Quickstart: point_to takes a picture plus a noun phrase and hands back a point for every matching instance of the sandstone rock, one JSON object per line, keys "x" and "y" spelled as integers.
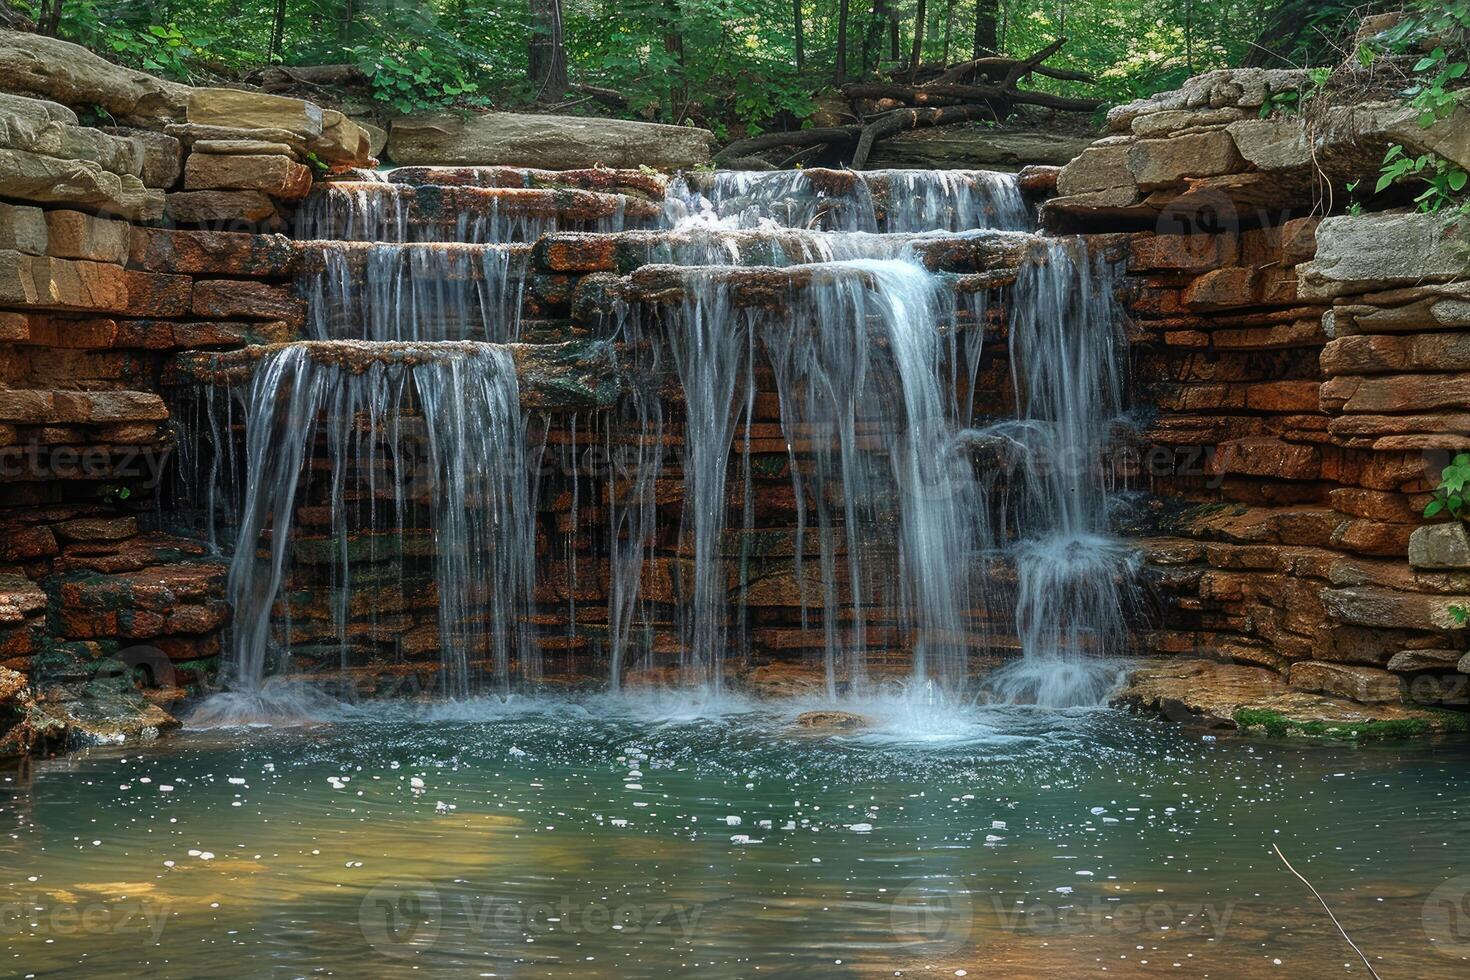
{"x": 1241, "y": 88}
{"x": 1163, "y": 163}
{"x": 1393, "y": 354}
{"x": 22, "y": 229}
{"x": 1150, "y": 251}
{"x": 1115, "y": 202}
{"x": 97, "y": 529}
{"x": 46, "y": 67}
{"x": 1167, "y": 123}
{"x": 74, "y": 235}
{"x": 278, "y": 176}
{"x": 1389, "y": 608}
{"x": 217, "y": 207}
{"x": 341, "y": 141}
{"x": 377, "y": 137}
{"x": 831, "y": 721}
{"x": 1440, "y": 546}
{"x": 1097, "y": 168}
{"x": 189, "y": 134}
{"x": 80, "y": 183}
{"x": 157, "y": 294}
{"x": 1369, "y": 685}
{"x": 118, "y": 155}
{"x": 230, "y": 298}
{"x": 33, "y": 407}
{"x": 1362, "y": 253}
{"x": 243, "y": 148}
{"x": 1215, "y": 695}
{"x": 124, "y": 718}
{"x": 1038, "y": 179}
{"x": 1272, "y": 144}
{"x": 549, "y": 142}
{"x": 163, "y": 156}
{"x": 50, "y": 283}
{"x": 254, "y": 110}
{"x": 1409, "y": 661}
{"x": 1395, "y": 393}
{"x": 35, "y": 111}
{"x": 212, "y": 253}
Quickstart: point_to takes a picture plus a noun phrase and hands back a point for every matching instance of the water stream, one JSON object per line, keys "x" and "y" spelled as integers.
{"x": 874, "y": 359}
{"x": 648, "y": 837}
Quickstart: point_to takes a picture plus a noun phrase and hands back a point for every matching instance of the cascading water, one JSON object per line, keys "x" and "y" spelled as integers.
{"x": 416, "y": 292}
{"x": 426, "y": 491}
{"x": 874, "y": 361}
{"x": 1067, "y": 368}
{"x": 875, "y": 201}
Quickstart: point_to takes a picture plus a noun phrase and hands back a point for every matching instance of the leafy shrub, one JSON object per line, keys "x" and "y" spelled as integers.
{"x": 1449, "y": 496}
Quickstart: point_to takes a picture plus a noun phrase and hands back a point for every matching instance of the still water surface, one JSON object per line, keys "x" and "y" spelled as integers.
{"x": 655, "y": 836}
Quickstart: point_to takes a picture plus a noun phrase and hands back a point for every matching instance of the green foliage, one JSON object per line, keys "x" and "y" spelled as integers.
{"x": 727, "y": 64}
{"x": 1444, "y": 182}
{"x": 1288, "y": 102}
{"x": 163, "y": 49}
{"x": 418, "y": 79}
{"x": 1449, "y": 496}
{"x": 1446, "y": 25}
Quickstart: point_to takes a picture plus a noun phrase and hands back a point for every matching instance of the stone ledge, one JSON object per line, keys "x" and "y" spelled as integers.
{"x": 1257, "y": 701}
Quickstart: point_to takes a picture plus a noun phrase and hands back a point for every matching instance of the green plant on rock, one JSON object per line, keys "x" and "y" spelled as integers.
{"x": 1292, "y": 102}
{"x": 1449, "y": 496}
{"x": 1444, "y": 182}
{"x": 1437, "y": 74}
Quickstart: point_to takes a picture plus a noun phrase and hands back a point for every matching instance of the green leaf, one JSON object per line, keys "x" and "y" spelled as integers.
{"x": 1433, "y": 507}
{"x": 1383, "y": 183}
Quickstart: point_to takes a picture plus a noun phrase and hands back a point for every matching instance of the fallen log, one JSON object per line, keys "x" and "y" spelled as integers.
{"x": 899, "y": 120}
{"x": 953, "y": 95}
{"x": 795, "y": 138}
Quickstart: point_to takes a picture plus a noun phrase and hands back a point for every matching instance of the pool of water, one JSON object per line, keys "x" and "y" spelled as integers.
{"x": 652, "y": 836}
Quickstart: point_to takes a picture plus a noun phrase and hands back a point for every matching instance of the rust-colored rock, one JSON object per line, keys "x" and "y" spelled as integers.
{"x": 275, "y": 175}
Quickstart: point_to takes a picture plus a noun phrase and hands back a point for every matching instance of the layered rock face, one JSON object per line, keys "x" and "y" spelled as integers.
{"x": 1299, "y": 381}
{"x": 1302, "y": 377}
{"x": 95, "y": 297}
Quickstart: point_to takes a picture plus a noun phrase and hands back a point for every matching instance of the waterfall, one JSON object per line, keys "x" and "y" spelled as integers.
{"x": 1067, "y": 367}
{"x": 383, "y": 508}
{"x": 426, "y": 490}
{"x": 874, "y": 201}
{"x": 858, "y": 372}
{"x": 416, "y": 292}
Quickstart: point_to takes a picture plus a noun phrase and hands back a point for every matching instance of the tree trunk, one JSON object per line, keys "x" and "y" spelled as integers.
{"x": 985, "y": 36}
{"x": 800, "y": 32}
{"x": 548, "y": 53}
{"x": 842, "y": 14}
{"x": 674, "y": 46}
{"x": 873, "y": 38}
{"x": 948, "y": 31}
{"x": 278, "y": 33}
{"x": 920, "y": 13}
{"x": 48, "y": 18}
